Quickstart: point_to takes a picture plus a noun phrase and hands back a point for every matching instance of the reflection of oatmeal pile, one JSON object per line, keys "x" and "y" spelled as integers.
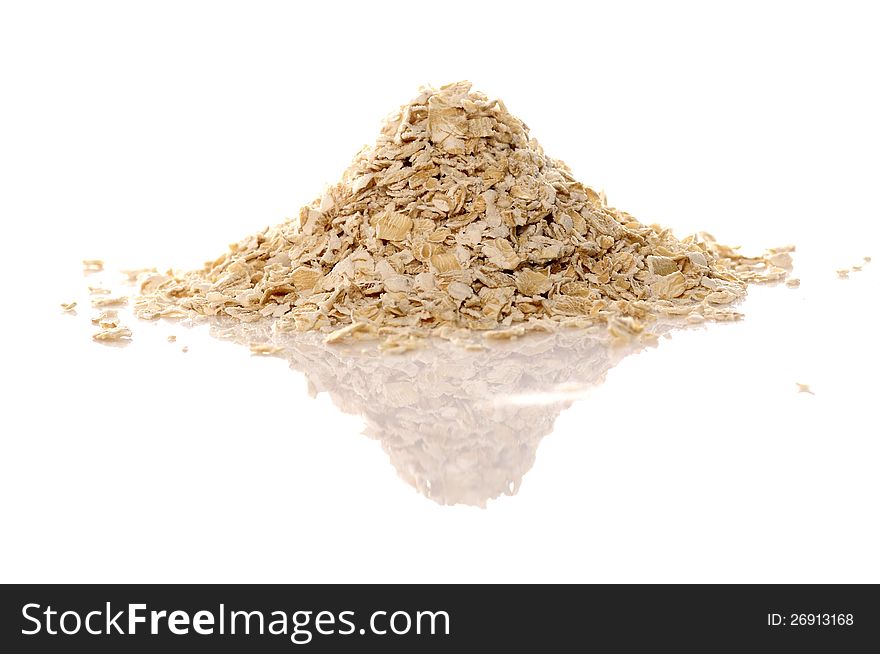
{"x": 455, "y": 218}
{"x": 460, "y": 426}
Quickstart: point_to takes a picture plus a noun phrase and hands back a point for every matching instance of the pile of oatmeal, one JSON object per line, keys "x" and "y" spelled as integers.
{"x": 456, "y": 220}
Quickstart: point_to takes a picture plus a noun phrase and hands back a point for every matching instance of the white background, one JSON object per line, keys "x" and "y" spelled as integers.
{"x": 156, "y": 133}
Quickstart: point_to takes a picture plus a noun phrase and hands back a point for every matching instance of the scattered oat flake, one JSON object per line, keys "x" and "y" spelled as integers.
{"x": 172, "y": 338}
{"x": 342, "y": 332}
{"x": 109, "y": 301}
{"x": 866, "y": 259}
{"x": 93, "y": 265}
{"x": 184, "y": 349}
{"x": 843, "y": 273}
{"x": 804, "y": 388}
{"x": 793, "y": 282}
{"x": 99, "y": 290}
{"x": 113, "y": 334}
{"x": 68, "y": 306}
{"x": 107, "y": 319}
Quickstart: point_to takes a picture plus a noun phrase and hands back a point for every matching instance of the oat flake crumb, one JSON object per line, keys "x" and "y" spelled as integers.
{"x": 113, "y": 334}
{"x": 99, "y": 302}
{"x": 108, "y": 319}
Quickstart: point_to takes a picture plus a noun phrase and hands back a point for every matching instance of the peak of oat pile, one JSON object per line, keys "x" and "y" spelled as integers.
{"x": 456, "y": 219}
